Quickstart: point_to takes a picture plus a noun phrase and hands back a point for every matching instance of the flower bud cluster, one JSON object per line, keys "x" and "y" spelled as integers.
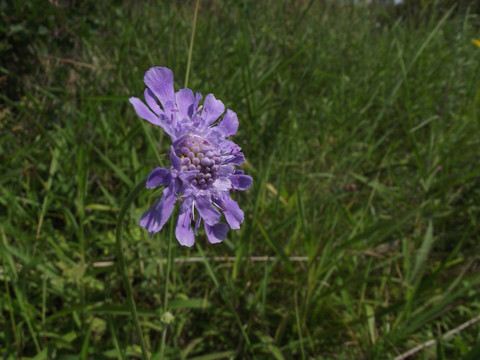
{"x": 199, "y": 154}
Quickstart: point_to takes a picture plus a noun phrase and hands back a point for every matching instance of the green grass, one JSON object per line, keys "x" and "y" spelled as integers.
{"x": 361, "y": 132}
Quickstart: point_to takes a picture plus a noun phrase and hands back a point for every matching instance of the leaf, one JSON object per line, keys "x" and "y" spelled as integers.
{"x": 423, "y": 252}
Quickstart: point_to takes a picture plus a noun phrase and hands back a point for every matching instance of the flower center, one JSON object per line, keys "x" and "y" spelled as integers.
{"x": 198, "y": 154}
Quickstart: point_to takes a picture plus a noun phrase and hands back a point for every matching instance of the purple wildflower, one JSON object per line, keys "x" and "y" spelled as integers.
{"x": 202, "y": 172}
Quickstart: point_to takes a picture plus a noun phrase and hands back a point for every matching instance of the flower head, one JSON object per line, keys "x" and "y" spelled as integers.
{"x": 203, "y": 160}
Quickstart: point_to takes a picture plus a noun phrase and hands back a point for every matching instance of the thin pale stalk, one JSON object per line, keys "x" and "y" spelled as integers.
{"x": 165, "y": 298}
{"x": 123, "y": 267}
{"x": 190, "y": 49}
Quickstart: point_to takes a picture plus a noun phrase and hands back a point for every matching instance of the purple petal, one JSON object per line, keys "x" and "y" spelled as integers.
{"x": 184, "y": 99}
{"x": 212, "y": 109}
{"x": 187, "y": 176}
{"x": 235, "y": 156}
{"x": 176, "y": 161}
{"x": 151, "y": 102}
{"x": 229, "y": 123}
{"x": 241, "y": 182}
{"x": 207, "y": 211}
{"x": 215, "y": 135}
{"x": 225, "y": 170}
{"x": 216, "y": 233}
{"x": 198, "y": 97}
{"x": 187, "y": 189}
{"x": 158, "y": 177}
{"x": 171, "y": 112}
{"x": 143, "y": 111}
{"x": 195, "y": 121}
{"x": 239, "y": 159}
{"x": 222, "y": 184}
{"x": 172, "y": 119}
{"x": 233, "y": 213}
{"x": 183, "y": 231}
{"x": 154, "y": 219}
{"x": 160, "y": 81}
{"x": 197, "y": 224}
{"x": 236, "y": 159}
{"x": 181, "y": 128}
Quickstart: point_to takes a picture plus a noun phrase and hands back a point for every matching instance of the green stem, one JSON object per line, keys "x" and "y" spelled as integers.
{"x": 123, "y": 267}
{"x": 222, "y": 293}
{"x": 165, "y": 299}
{"x": 164, "y": 338}
{"x": 190, "y": 49}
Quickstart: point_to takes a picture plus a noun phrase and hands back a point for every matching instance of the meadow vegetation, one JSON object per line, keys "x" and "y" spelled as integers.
{"x": 360, "y": 126}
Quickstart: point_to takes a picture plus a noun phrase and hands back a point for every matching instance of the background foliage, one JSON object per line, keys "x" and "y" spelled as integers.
{"x": 360, "y": 125}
